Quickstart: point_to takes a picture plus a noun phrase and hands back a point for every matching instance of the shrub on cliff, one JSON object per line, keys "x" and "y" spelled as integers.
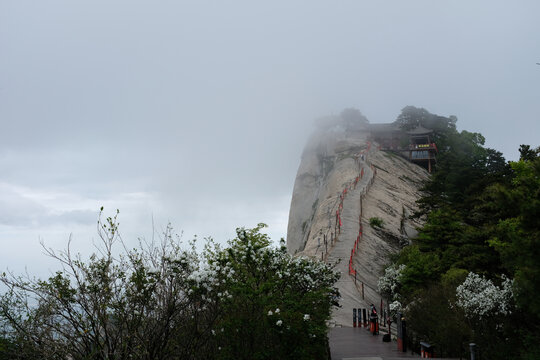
{"x": 376, "y": 222}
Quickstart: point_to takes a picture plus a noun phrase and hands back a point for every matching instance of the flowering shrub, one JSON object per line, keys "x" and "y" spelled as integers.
{"x": 271, "y": 292}
{"x": 390, "y": 282}
{"x": 395, "y": 307}
{"x": 480, "y": 298}
{"x": 248, "y": 300}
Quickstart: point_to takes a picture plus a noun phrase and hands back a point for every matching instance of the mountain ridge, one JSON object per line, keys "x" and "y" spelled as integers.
{"x": 341, "y": 165}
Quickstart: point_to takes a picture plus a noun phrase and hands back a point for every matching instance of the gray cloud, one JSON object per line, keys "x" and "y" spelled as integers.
{"x": 197, "y": 112}
{"x": 16, "y": 210}
{"x": 30, "y": 210}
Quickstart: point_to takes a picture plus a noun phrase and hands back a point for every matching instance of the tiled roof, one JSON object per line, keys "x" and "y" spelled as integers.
{"x": 387, "y": 127}
{"x": 420, "y": 130}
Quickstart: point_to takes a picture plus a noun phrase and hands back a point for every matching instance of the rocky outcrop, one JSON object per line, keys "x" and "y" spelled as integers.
{"x": 344, "y": 181}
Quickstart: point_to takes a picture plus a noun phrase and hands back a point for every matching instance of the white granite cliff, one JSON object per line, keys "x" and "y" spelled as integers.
{"x": 343, "y": 177}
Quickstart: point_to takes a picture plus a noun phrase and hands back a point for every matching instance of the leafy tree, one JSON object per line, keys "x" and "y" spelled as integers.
{"x": 517, "y": 236}
{"x": 138, "y": 304}
{"x": 528, "y": 154}
{"x": 463, "y": 170}
{"x": 432, "y": 319}
{"x": 389, "y": 284}
{"x": 277, "y": 305}
{"x": 490, "y": 313}
{"x": 487, "y": 225}
{"x": 481, "y": 216}
{"x": 412, "y": 117}
{"x": 354, "y": 118}
{"x": 163, "y": 302}
{"x": 421, "y": 269}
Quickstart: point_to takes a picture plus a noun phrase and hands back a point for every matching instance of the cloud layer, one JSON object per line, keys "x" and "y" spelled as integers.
{"x": 197, "y": 112}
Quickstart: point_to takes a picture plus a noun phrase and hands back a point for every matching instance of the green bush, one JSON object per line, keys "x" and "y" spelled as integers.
{"x": 376, "y": 222}
{"x": 277, "y": 305}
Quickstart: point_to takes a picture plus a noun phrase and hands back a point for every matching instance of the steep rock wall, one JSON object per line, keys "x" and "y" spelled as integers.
{"x": 342, "y": 182}
{"x": 327, "y": 165}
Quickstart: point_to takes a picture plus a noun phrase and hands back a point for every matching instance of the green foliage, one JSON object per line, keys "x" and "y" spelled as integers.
{"x": 390, "y": 283}
{"x": 376, "y": 222}
{"x": 463, "y": 170}
{"x": 528, "y": 154}
{"x": 137, "y": 304}
{"x": 353, "y": 118}
{"x": 411, "y": 117}
{"x": 481, "y": 216}
{"x": 421, "y": 269}
{"x": 431, "y": 318}
{"x": 278, "y": 305}
{"x": 487, "y": 224}
{"x": 163, "y": 302}
{"x": 454, "y": 277}
{"x": 517, "y": 237}
{"x": 456, "y": 243}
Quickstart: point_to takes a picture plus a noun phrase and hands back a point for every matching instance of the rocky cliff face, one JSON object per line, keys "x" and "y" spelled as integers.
{"x": 344, "y": 181}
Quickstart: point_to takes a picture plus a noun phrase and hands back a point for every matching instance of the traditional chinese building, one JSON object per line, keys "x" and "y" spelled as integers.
{"x": 416, "y": 145}
{"x": 422, "y": 149}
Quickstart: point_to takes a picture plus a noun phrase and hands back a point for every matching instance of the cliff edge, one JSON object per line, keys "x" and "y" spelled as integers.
{"x": 344, "y": 183}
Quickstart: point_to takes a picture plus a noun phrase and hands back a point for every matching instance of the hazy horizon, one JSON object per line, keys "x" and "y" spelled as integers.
{"x": 197, "y": 112}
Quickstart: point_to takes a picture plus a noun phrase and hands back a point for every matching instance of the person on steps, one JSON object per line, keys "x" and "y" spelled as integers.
{"x": 373, "y": 320}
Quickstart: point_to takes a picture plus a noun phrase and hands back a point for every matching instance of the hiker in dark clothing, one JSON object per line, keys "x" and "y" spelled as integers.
{"x": 373, "y": 320}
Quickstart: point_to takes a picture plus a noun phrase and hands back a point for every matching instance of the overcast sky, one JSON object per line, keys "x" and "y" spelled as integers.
{"x": 196, "y": 112}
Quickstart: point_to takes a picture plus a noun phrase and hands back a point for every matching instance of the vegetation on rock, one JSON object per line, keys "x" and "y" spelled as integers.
{"x": 376, "y": 222}
{"x": 481, "y": 227}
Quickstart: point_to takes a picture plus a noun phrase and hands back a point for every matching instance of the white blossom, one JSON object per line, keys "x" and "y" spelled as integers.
{"x": 389, "y": 283}
{"x": 479, "y": 297}
{"x": 279, "y": 322}
{"x": 306, "y": 317}
{"x": 395, "y": 307}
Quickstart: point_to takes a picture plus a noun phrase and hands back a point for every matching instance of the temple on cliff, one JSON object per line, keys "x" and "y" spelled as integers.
{"x": 416, "y": 145}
